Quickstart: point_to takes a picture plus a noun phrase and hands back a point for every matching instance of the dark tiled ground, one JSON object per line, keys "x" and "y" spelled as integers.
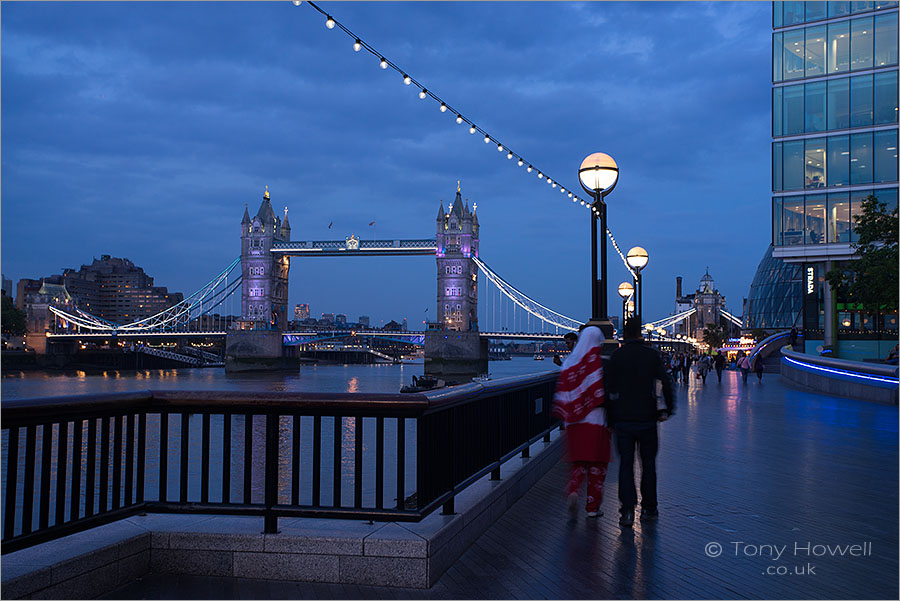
{"x": 741, "y": 466}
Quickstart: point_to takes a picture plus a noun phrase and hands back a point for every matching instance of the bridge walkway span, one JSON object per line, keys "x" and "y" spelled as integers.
{"x": 755, "y": 464}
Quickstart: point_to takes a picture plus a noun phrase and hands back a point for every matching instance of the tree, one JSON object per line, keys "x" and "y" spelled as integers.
{"x": 13, "y": 319}
{"x": 714, "y": 335}
{"x": 872, "y": 279}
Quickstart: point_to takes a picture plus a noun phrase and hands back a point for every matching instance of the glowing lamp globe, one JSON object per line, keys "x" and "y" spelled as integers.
{"x": 637, "y": 258}
{"x": 626, "y": 289}
{"x": 598, "y": 173}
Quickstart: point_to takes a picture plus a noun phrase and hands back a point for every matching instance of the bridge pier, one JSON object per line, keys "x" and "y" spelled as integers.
{"x": 256, "y": 350}
{"x": 455, "y": 356}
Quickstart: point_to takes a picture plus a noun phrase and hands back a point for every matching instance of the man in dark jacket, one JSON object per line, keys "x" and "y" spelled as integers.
{"x": 631, "y": 374}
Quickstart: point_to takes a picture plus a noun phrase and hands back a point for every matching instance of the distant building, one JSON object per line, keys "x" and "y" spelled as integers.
{"x": 264, "y": 290}
{"x": 111, "y": 288}
{"x": 364, "y": 320}
{"x": 708, "y": 303}
{"x": 7, "y": 286}
{"x": 405, "y": 328}
{"x": 327, "y": 318}
{"x": 457, "y": 233}
{"x": 301, "y": 311}
{"x": 392, "y": 326}
{"x": 340, "y": 319}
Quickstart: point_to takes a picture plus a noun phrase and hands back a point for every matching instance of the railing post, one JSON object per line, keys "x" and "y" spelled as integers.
{"x": 271, "y": 473}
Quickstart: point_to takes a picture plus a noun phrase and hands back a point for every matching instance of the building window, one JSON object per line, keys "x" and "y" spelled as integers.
{"x": 793, "y": 110}
{"x": 776, "y": 221}
{"x": 777, "y": 180}
{"x": 861, "y": 101}
{"x": 838, "y": 57}
{"x": 815, "y": 51}
{"x": 885, "y": 40}
{"x": 885, "y": 156}
{"x": 814, "y": 163}
{"x": 793, "y": 165}
{"x": 793, "y": 221}
{"x": 815, "y": 219}
{"x": 814, "y": 107}
{"x": 838, "y": 217}
{"x": 862, "y": 38}
{"x": 838, "y": 172}
{"x": 792, "y": 55}
{"x": 885, "y": 97}
{"x": 838, "y": 103}
{"x": 861, "y": 158}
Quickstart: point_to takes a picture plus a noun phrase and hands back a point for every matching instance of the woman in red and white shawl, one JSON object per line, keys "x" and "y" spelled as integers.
{"x": 578, "y": 401}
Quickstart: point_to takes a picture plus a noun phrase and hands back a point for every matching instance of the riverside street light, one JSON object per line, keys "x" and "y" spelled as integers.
{"x": 626, "y": 290}
{"x": 598, "y": 175}
{"x": 637, "y": 258}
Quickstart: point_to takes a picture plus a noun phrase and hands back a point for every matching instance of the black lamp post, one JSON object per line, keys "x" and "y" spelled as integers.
{"x": 598, "y": 175}
{"x": 626, "y": 291}
{"x": 637, "y": 258}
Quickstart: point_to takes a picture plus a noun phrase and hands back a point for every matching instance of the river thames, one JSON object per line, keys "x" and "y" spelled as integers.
{"x": 310, "y": 378}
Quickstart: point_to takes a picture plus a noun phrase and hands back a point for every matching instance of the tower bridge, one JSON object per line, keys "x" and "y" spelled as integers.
{"x": 256, "y": 334}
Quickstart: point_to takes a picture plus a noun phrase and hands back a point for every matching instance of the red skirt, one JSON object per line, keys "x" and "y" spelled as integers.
{"x": 588, "y": 442}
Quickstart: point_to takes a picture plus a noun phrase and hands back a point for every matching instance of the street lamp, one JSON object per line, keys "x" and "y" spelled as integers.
{"x": 625, "y": 291}
{"x": 637, "y": 259}
{"x": 598, "y": 175}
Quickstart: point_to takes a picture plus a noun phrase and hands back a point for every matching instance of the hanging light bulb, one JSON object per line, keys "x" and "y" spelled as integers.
{"x": 406, "y": 79}
{"x": 459, "y": 118}
{"x": 529, "y": 169}
{"x": 472, "y": 129}
{"x": 563, "y": 190}
{"x": 357, "y": 45}
{"x": 383, "y": 63}
{"x": 296, "y": 2}
{"x": 549, "y": 181}
{"x": 582, "y": 203}
{"x": 573, "y": 199}
{"x": 423, "y": 93}
{"x": 553, "y": 185}
{"x": 521, "y": 162}
{"x": 499, "y": 147}
{"x": 487, "y": 139}
{"x": 443, "y": 108}
{"x": 570, "y": 195}
{"x": 509, "y": 155}
{"x": 329, "y": 22}
{"x": 540, "y": 175}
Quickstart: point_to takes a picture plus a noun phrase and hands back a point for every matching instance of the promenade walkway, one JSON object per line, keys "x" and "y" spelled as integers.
{"x": 758, "y": 469}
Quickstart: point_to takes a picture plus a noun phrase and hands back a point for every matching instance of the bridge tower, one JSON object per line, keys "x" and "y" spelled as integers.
{"x": 454, "y": 350}
{"x": 255, "y": 342}
{"x": 264, "y": 293}
{"x": 457, "y": 274}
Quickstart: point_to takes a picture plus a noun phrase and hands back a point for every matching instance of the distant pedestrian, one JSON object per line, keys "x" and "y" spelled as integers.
{"x": 570, "y": 339}
{"x": 793, "y": 338}
{"x": 631, "y": 377}
{"x": 579, "y": 401}
{"x": 758, "y": 368}
{"x": 720, "y": 365}
{"x": 743, "y": 364}
{"x": 686, "y": 368}
{"x": 703, "y": 366}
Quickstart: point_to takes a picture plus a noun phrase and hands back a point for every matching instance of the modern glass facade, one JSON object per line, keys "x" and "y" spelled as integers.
{"x": 834, "y": 142}
{"x": 776, "y": 299}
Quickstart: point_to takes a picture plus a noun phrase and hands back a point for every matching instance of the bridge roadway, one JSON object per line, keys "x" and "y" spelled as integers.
{"x": 739, "y": 465}
{"x": 330, "y": 333}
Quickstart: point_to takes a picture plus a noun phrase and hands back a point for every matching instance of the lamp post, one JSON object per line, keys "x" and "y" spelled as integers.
{"x": 637, "y": 258}
{"x": 626, "y": 290}
{"x": 598, "y": 175}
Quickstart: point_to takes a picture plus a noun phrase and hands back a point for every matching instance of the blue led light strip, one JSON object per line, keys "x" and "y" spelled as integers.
{"x": 841, "y": 372}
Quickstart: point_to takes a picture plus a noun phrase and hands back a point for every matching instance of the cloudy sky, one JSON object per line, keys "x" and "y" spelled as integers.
{"x": 141, "y": 130}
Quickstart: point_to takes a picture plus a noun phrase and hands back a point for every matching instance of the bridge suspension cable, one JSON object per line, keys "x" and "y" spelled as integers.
{"x": 527, "y": 303}
{"x": 731, "y": 318}
{"x": 671, "y": 320}
{"x": 198, "y": 304}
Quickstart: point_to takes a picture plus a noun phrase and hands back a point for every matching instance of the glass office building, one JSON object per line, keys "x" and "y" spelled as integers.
{"x": 834, "y": 142}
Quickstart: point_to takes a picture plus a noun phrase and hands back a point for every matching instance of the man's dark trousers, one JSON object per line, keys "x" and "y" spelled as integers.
{"x": 644, "y": 435}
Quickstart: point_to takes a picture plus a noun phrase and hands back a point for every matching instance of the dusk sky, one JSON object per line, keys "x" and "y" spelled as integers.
{"x": 141, "y": 130}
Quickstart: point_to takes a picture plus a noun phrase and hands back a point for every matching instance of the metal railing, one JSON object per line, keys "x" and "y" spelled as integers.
{"x": 72, "y": 463}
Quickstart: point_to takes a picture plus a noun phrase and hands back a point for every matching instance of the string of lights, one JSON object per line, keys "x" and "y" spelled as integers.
{"x": 424, "y": 93}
